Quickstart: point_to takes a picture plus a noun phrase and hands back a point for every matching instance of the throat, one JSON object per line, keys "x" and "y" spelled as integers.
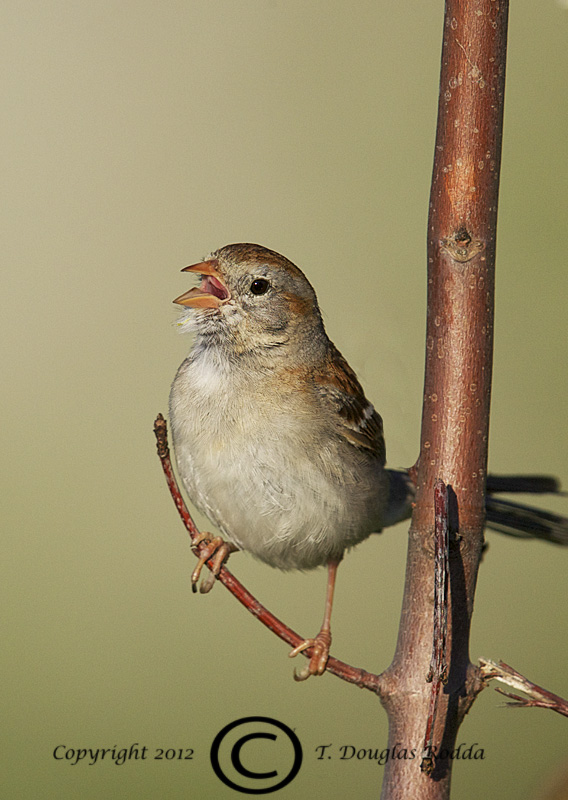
{"x": 210, "y": 368}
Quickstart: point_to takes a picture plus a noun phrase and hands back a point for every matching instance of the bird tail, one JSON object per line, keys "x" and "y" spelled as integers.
{"x": 505, "y": 516}
{"x": 517, "y": 519}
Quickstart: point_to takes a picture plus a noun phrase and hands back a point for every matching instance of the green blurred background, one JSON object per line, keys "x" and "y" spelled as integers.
{"x": 138, "y": 137}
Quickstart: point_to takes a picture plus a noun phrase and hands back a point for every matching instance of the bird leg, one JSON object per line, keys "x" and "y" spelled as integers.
{"x": 215, "y": 546}
{"x": 322, "y": 641}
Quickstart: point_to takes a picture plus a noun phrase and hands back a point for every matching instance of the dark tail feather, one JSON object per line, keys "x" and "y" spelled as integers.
{"x": 524, "y": 484}
{"x": 513, "y": 519}
{"x": 516, "y": 519}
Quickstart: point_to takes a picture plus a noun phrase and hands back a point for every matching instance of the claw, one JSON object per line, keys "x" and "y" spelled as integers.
{"x": 207, "y": 583}
{"x": 202, "y": 537}
{"x": 216, "y": 547}
{"x": 318, "y": 660}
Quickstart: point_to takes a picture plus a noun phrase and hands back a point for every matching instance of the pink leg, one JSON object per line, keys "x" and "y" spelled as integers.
{"x": 322, "y": 641}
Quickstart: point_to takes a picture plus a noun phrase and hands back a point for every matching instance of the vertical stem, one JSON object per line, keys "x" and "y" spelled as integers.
{"x": 457, "y": 388}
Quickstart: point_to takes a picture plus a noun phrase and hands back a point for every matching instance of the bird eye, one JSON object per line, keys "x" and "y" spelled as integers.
{"x": 260, "y": 286}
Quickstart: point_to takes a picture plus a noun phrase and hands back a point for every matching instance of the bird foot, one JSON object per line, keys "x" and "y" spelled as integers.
{"x": 318, "y": 659}
{"x": 214, "y": 546}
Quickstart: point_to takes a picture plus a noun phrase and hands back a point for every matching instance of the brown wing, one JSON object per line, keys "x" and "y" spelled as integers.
{"x": 359, "y": 422}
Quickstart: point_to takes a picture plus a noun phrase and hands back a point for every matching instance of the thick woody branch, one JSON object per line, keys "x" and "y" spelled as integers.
{"x": 457, "y": 387}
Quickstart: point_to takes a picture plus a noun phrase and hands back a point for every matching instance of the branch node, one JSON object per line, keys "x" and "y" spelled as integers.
{"x": 161, "y": 434}
{"x": 461, "y": 246}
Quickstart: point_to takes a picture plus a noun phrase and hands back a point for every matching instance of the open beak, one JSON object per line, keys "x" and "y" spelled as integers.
{"x": 213, "y": 291}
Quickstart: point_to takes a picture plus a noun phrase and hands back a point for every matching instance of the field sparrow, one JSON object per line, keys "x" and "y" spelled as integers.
{"x": 273, "y": 436}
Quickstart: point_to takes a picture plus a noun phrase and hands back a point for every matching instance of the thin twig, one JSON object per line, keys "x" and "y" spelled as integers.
{"x": 438, "y": 673}
{"x": 538, "y": 697}
{"x": 355, "y": 675}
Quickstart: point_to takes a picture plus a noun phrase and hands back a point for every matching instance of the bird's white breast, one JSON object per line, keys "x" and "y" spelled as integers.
{"x": 268, "y": 474}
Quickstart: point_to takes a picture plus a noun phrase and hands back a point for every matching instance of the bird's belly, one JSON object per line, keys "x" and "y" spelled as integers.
{"x": 291, "y": 502}
{"x": 293, "y": 514}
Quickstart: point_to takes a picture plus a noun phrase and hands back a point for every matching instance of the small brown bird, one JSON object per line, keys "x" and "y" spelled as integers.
{"x": 273, "y": 436}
